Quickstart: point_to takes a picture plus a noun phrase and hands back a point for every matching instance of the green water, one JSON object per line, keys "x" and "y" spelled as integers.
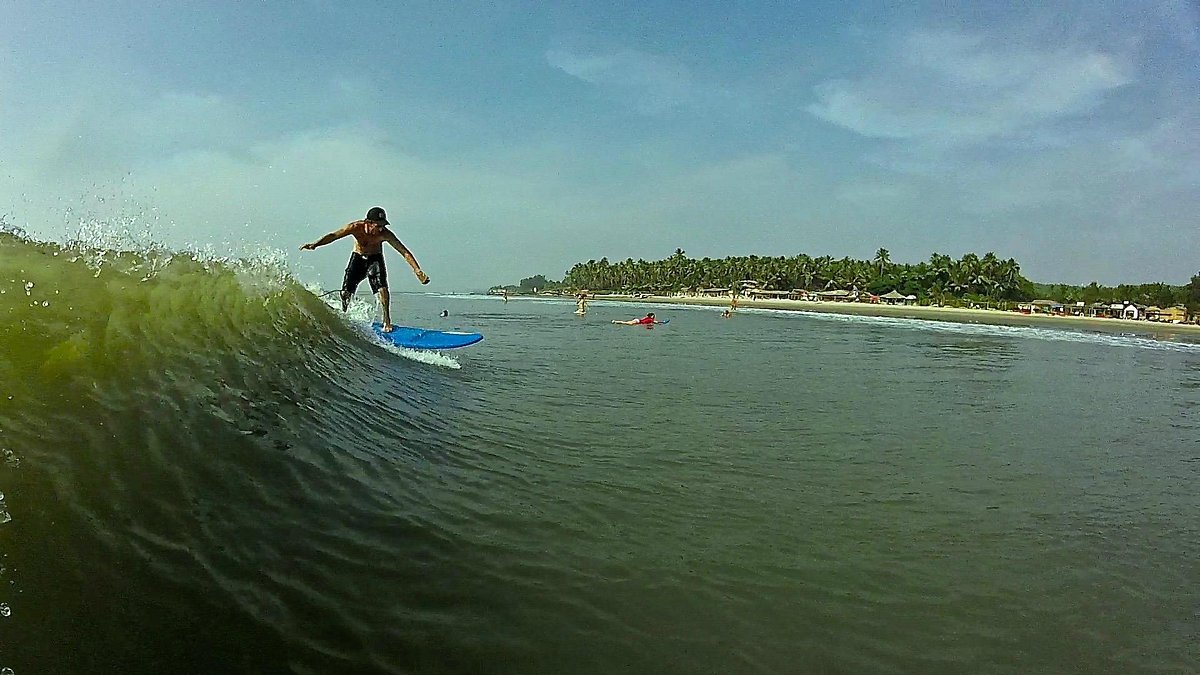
{"x": 767, "y": 494}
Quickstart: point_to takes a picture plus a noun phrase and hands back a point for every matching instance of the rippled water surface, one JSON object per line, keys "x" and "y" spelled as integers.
{"x": 237, "y": 480}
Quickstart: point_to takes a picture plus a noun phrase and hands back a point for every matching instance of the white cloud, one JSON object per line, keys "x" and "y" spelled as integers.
{"x": 957, "y": 88}
{"x": 651, "y": 83}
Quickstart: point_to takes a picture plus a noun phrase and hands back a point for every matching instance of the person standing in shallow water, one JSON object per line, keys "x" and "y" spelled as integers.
{"x": 366, "y": 262}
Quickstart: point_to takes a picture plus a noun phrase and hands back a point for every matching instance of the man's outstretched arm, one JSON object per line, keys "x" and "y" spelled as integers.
{"x": 331, "y": 237}
{"x": 407, "y": 254}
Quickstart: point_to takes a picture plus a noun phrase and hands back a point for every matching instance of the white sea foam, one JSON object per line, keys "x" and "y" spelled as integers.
{"x": 362, "y": 313}
{"x": 992, "y": 330}
{"x": 422, "y": 355}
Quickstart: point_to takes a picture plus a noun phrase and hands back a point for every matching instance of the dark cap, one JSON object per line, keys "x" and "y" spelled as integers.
{"x": 377, "y": 214}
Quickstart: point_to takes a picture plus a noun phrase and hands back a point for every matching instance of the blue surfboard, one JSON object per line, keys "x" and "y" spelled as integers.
{"x": 423, "y": 338}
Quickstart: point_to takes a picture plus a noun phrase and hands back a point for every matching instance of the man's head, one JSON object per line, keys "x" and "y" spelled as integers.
{"x": 377, "y": 215}
{"x": 650, "y": 314}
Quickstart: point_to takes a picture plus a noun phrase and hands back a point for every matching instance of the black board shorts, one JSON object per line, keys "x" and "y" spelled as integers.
{"x": 369, "y": 267}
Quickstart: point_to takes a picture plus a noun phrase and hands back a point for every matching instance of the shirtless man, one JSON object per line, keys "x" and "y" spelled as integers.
{"x": 367, "y": 259}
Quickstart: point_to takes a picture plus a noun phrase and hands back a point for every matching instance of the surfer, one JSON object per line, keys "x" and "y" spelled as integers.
{"x": 647, "y": 320}
{"x": 367, "y": 259}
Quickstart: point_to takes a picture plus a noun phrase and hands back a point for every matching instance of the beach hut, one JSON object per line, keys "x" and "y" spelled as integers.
{"x": 838, "y": 296}
{"x": 893, "y": 298}
{"x": 1047, "y": 306}
{"x": 1176, "y": 314}
{"x": 759, "y": 294}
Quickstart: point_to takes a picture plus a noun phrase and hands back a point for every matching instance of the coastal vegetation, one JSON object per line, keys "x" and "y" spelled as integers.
{"x": 941, "y": 279}
{"x": 537, "y": 283}
{"x": 942, "y": 276}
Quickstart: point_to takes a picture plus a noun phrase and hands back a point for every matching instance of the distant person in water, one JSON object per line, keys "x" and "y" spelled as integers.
{"x": 727, "y": 314}
{"x": 581, "y": 302}
{"x": 445, "y": 313}
{"x": 647, "y": 320}
{"x": 366, "y": 262}
{"x": 506, "y": 296}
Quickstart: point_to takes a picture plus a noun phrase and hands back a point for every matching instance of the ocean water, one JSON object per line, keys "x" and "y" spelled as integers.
{"x": 205, "y": 468}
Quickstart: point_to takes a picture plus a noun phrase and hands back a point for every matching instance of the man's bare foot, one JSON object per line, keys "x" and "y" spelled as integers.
{"x": 387, "y": 327}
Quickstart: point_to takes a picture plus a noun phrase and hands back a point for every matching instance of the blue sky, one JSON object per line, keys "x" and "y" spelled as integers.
{"x": 508, "y": 138}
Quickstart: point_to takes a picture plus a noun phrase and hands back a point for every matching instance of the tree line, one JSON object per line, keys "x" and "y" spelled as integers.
{"x": 941, "y": 279}
{"x": 971, "y": 275}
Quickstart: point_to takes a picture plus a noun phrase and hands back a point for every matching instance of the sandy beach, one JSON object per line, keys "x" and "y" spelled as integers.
{"x": 954, "y": 314}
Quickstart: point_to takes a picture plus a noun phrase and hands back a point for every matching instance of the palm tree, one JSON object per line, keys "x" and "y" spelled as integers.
{"x": 1009, "y": 275}
{"x": 882, "y": 259}
{"x": 959, "y": 282}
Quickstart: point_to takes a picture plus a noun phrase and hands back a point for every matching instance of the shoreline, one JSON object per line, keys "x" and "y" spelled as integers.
{"x": 994, "y": 317}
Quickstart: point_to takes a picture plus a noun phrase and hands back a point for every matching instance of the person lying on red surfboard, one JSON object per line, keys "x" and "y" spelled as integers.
{"x": 647, "y": 320}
